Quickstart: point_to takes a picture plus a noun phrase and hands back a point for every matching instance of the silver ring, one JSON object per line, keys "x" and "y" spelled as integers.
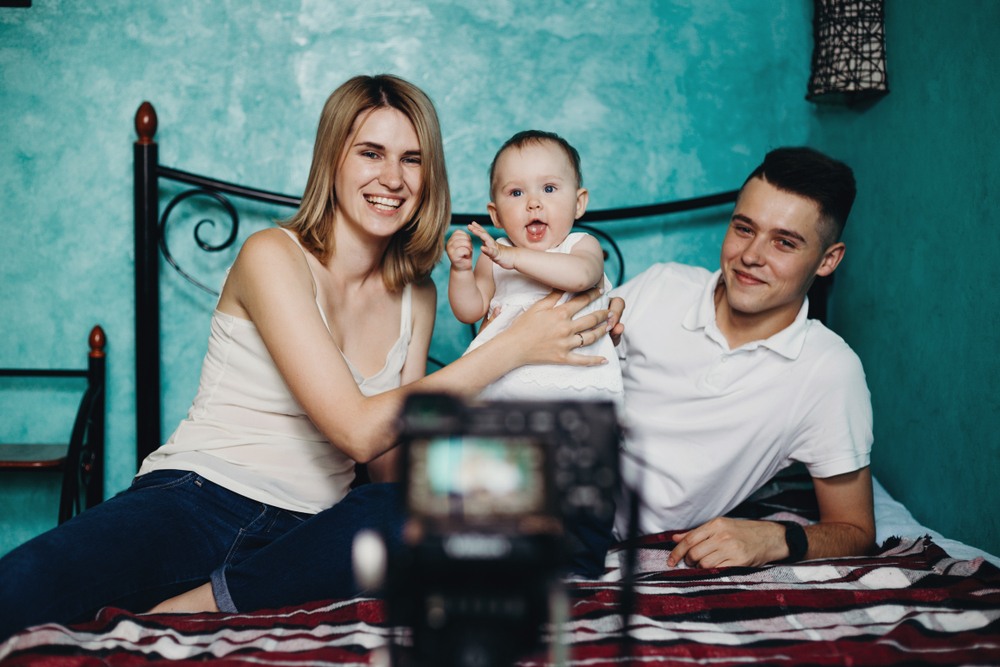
{"x": 581, "y": 339}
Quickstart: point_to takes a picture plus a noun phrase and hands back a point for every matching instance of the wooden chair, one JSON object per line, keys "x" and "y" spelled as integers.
{"x": 81, "y": 458}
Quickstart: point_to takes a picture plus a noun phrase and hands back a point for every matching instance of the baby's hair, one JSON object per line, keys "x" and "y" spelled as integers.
{"x": 526, "y": 137}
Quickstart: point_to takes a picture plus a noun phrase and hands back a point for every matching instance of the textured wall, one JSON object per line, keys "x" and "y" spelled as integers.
{"x": 917, "y": 296}
{"x": 663, "y": 100}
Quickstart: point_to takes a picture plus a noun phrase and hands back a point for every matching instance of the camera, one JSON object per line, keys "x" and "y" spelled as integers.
{"x": 502, "y": 499}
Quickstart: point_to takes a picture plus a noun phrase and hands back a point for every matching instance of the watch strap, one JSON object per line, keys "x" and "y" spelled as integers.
{"x": 796, "y": 540}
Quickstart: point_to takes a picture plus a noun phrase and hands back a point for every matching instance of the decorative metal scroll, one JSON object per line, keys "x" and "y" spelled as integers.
{"x": 218, "y": 190}
{"x": 848, "y": 60}
{"x": 234, "y": 219}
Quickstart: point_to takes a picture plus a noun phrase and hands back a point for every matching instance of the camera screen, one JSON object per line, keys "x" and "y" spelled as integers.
{"x": 476, "y": 477}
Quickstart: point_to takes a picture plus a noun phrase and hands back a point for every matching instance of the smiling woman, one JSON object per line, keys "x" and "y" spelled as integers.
{"x": 321, "y": 331}
{"x": 382, "y": 165}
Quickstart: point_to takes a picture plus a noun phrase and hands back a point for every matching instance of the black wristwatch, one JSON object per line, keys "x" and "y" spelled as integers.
{"x": 795, "y": 539}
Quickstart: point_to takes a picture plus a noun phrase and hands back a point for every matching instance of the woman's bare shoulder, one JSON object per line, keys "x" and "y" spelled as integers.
{"x": 267, "y": 259}
{"x": 270, "y": 250}
{"x": 272, "y": 240}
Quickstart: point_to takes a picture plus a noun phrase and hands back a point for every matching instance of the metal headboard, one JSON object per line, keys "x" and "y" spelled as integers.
{"x": 150, "y": 241}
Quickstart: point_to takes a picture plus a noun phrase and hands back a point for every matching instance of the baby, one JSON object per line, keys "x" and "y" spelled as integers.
{"x": 537, "y": 194}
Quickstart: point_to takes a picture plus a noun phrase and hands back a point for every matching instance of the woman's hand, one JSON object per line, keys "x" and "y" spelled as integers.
{"x": 546, "y": 333}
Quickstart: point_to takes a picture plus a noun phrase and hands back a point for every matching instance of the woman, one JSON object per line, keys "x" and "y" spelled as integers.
{"x": 319, "y": 324}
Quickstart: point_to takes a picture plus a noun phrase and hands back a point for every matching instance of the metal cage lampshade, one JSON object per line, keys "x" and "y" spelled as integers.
{"x": 848, "y": 61}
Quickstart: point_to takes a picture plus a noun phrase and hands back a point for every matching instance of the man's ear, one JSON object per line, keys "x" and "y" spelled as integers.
{"x": 582, "y": 198}
{"x": 831, "y": 258}
{"x": 492, "y": 208}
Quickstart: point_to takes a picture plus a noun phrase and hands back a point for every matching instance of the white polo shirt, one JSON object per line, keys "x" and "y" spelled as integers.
{"x": 706, "y": 426}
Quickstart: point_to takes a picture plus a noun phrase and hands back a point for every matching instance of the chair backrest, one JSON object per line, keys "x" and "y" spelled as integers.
{"x": 83, "y": 472}
{"x": 81, "y": 459}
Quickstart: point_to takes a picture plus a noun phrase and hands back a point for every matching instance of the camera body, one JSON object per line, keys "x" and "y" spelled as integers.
{"x": 496, "y": 495}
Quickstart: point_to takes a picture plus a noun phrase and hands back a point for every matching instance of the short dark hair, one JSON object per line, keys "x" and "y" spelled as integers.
{"x": 522, "y": 139}
{"x": 808, "y": 173}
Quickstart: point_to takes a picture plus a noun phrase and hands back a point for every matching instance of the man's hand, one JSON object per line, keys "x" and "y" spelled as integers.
{"x": 846, "y": 528}
{"x": 724, "y": 542}
{"x": 615, "y": 309}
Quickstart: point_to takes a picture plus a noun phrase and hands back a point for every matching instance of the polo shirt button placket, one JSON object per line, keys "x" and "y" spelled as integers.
{"x": 714, "y": 376}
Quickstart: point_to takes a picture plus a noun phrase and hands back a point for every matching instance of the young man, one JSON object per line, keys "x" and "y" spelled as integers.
{"x": 727, "y": 381}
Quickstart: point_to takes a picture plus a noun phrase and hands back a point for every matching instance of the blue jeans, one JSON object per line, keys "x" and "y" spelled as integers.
{"x": 172, "y": 531}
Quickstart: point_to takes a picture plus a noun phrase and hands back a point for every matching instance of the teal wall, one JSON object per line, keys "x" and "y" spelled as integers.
{"x": 917, "y": 296}
{"x": 663, "y": 100}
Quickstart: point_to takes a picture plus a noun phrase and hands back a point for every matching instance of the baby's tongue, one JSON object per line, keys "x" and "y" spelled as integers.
{"x": 536, "y": 230}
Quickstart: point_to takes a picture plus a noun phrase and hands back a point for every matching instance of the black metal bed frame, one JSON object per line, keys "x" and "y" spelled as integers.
{"x": 150, "y": 240}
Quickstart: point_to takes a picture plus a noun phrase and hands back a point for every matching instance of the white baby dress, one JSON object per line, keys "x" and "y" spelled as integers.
{"x": 514, "y": 294}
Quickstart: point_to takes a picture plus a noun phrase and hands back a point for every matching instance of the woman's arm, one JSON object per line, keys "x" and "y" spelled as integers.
{"x": 385, "y": 468}
{"x": 271, "y": 283}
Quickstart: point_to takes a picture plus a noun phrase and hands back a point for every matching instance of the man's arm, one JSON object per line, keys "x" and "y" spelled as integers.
{"x": 846, "y": 528}
{"x": 846, "y": 516}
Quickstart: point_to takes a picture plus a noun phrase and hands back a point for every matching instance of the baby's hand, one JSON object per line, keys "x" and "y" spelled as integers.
{"x": 502, "y": 255}
{"x": 459, "y": 249}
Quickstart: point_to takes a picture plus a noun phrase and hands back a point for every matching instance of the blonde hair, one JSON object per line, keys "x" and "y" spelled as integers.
{"x": 416, "y": 248}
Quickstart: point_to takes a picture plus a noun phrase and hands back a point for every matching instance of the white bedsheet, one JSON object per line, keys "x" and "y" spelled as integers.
{"x": 893, "y": 519}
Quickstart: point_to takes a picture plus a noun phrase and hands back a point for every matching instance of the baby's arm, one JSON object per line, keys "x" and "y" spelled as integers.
{"x": 469, "y": 291}
{"x": 577, "y": 271}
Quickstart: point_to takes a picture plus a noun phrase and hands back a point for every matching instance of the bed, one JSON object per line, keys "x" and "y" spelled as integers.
{"x": 922, "y": 599}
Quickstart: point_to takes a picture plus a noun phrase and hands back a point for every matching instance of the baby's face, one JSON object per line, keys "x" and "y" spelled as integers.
{"x": 536, "y": 198}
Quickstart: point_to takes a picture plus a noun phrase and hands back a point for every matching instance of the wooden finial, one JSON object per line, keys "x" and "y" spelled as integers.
{"x": 145, "y": 123}
{"x": 97, "y": 338}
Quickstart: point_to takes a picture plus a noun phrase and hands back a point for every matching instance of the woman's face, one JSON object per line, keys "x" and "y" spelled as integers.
{"x": 380, "y": 179}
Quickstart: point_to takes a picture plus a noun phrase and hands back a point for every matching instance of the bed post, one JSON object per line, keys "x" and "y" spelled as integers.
{"x": 97, "y": 376}
{"x": 147, "y": 285}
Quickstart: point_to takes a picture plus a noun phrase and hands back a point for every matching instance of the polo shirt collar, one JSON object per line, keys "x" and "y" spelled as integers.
{"x": 788, "y": 342}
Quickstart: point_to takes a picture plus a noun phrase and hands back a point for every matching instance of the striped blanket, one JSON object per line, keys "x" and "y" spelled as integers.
{"x": 909, "y": 604}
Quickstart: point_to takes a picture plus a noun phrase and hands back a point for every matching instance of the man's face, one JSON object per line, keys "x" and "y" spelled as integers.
{"x": 771, "y": 253}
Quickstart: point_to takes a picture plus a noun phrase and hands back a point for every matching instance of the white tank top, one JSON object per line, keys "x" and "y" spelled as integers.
{"x": 246, "y": 432}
